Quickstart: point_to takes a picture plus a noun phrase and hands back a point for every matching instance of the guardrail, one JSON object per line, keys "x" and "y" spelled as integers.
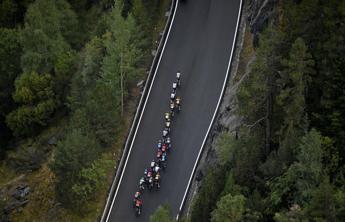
{"x": 149, "y": 78}
{"x": 213, "y": 118}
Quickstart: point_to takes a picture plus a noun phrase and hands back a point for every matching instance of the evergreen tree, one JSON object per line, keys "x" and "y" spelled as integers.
{"x": 229, "y": 209}
{"x": 122, "y": 54}
{"x": 296, "y": 184}
{"x": 162, "y": 214}
{"x": 8, "y": 10}
{"x": 226, "y": 148}
{"x": 247, "y": 159}
{"x": 209, "y": 193}
{"x": 89, "y": 73}
{"x": 75, "y": 153}
{"x": 46, "y": 47}
{"x": 327, "y": 203}
{"x": 10, "y": 51}
{"x": 42, "y": 39}
{"x": 90, "y": 181}
{"x": 257, "y": 93}
{"x": 9, "y": 67}
{"x": 103, "y": 112}
{"x": 291, "y": 100}
{"x": 37, "y": 102}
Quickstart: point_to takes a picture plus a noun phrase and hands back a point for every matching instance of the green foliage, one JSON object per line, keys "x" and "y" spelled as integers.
{"x": 302, "y": 176}
{"x": 208, "y": 195}
{"x": 331, "y": 157}
{"x": 46, "y": 42}
{"x": 295, "y": 214}
{"x": 10, "y": 51}
{"x": 162, "y": 214}
{"x": 68, "y": 21}
{"x": 103, "y": 113}
{"x": 90, "y": 181}
{"x": 327, "y": 203}
{"x": 325, "y": 95}
{"x": 91, "y": 16}
{"x": 229, "y": 209}
{"x": 145, "y": 14}
{"x": 8, "y": 9}
{"x": 122, "y": 54}
{"x": 246, "y": 162}
{"x": 40, "y": 68}
{"x": 76, "y": 152}
{"x": 64, "y": 67}
{"x": 32, "y": 88}
{"x": 9, "y": 67}
{"x": 230, "y": 186}
{"x": 253, "y": 93}
{"x": 291, "y": 99}
{"x": 27, "y": 158}
{"x": 35, "y": 95}
{"x": 88, "y": 74}
{"x": 226, "y": 148}
{"x": 287, "y": 170}
{"x": 42, "y": 39}
{"x": 107, "y": 67}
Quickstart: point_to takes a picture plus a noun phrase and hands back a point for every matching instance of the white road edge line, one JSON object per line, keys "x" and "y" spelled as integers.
{"x": 214, "y": 114}
{"x": 141, "y": 115}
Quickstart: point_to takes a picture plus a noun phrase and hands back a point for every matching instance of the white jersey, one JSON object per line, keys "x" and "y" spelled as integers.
{"x": 165, "y": 133}
{"x": 178, "y": 75}
{"x": 174, "y": 85}
{"x": 172, "y": 96}
{"x": 156, "y": 169}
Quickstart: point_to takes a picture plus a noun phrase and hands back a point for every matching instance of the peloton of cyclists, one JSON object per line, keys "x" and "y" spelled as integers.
{"x": 152, "y": 175}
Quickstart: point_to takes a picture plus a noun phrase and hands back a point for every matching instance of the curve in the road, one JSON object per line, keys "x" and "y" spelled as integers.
{"x": 200, "y": 44}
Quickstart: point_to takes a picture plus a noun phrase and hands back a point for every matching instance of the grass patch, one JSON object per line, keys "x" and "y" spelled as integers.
{"x": 6, "y": 175}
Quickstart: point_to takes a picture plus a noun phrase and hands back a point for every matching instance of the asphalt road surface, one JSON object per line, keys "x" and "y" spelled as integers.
{"x": 199, "y": 45}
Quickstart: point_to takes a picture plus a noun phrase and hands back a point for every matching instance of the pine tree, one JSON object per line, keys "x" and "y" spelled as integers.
{"x": 291, "y": 100}
{"x": 327, "y": 203}
{"x": 37, "y": 102}
{"x": 229, "y": 209}
{"x": 122, "y": 54}
{"x": 10, "y": 50}
{"x": 76, "y": 152}
{"x": 297, "y": 183}
{"x": 162, "y": 214}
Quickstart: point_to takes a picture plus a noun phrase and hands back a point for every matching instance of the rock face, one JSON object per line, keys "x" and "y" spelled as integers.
{"x": 260, "y": 12}
{"x": 14, "y": 199}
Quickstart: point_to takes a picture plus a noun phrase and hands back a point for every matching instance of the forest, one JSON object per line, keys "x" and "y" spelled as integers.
{"x": 286, "y": 161}
{"x": 68, "y": 90}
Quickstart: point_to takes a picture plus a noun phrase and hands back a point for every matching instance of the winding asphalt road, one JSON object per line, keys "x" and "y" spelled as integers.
{"x": 199, "y": 45}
